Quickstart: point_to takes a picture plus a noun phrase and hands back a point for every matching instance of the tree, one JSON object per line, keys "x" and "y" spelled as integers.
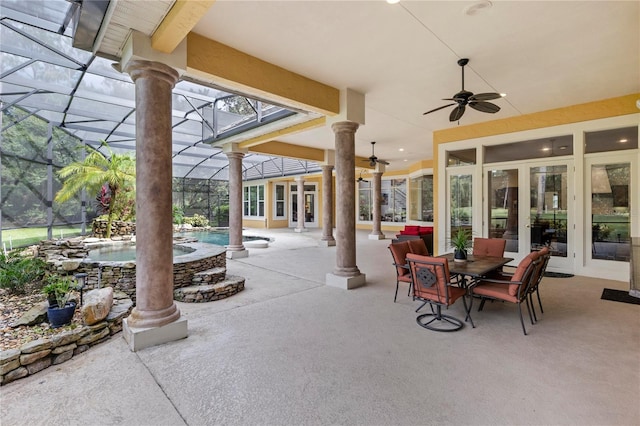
{"x": 117, "y": 171}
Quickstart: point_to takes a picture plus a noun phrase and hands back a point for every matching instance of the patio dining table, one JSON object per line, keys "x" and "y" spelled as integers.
{"x": 475, "y": 267}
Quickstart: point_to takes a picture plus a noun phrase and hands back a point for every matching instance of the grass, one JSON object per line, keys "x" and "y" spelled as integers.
{"x": 22, "y": 237}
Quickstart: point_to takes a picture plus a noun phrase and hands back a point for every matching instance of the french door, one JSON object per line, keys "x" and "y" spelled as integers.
{"x": 309, "y": 210}
{"x": 531, "y": 205}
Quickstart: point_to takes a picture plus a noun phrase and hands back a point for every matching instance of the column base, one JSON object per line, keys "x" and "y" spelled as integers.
{"x": 237, "y": 254}
{"x": 140, "y": 338}
{"x": 327, "y": 243}
{"x": 301, "y": 230}
{"x": 379, "y": 236}
{"x": 346, "y": 283}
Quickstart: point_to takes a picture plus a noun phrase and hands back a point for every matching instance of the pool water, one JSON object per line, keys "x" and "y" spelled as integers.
{"x": 124, "y": 253}
{"x": 220, "y": 238}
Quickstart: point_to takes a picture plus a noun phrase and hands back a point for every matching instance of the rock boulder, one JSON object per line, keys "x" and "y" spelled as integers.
{"x": 97, "y": 304}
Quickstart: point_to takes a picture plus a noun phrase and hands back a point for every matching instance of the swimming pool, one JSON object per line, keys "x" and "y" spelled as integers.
{"x": 124, "y": 253}
{"x": 218, "y": 237}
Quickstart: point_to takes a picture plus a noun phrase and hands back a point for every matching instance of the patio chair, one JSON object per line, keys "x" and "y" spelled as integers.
{"x": 418, "y": 247}
{"x": 544, "y": 254}
{"x": 431, "y": 285}
{"x": 489, "y": 247}
{"x": 399, "y": 253}
{"x": 513, "y": 290}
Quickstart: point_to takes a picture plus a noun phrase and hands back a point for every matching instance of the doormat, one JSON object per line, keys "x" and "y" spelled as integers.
{"x": 619, "y": 296}
{"x": 557, "y": 275}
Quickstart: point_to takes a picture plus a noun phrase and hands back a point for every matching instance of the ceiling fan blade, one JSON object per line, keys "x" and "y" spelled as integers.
{"x": 383, "y": 162}
{"x": 484, "y": 97}
{"x": 485, "y": 107}
{"x": 456, "y": 113}
{"x": 437, "y": 109}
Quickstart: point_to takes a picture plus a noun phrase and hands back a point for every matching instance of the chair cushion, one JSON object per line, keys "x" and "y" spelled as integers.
{"x": 399, "y": 252}
{"x": 437, "y": 292}
{"x": 418, "y": 246}
{"x": 518, "y": 275}
{"x": 489, "y": 246}
{"x": 497, "y": 291}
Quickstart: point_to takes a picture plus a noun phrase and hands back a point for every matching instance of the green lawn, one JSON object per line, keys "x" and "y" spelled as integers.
{"x": 27, "y": 236}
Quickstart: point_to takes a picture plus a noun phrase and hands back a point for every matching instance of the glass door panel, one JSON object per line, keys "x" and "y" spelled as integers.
{"x": 309, "y": 208}
{"x": 549, "y": 205}
{"x": 529, "y": 206}
{"x": 460, "y": 196}
{"x": 503, "y": 206}
{"x": 610, "y": 209}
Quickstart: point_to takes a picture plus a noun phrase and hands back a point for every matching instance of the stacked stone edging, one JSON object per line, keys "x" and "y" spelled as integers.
{"x": 210, "y": 292}
{"x": 37, "y": 355}
{"x": 118, "y": 227}
{"x": 68, "y": 256}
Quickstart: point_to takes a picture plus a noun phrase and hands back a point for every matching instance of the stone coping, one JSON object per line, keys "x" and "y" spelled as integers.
{"x": 197, "y": 251}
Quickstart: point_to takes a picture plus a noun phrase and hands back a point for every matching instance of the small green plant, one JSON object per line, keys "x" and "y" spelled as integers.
{"x": 60, "y": 288}
{"x": 17, "y": 270}
{"x": 461, "y": 240}
{"x": 197, "y": 220}
{"x": 178, "y": 214}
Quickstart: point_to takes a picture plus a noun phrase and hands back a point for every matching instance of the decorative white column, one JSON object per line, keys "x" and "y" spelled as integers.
{"x": 346, "y": 274}
{"x": 376, "y": 233}
{"x": 236, "y": 248}
{"x": 327, "y": 239}
{"x": 156, "y": 318}
{"x": 301, "y": 207}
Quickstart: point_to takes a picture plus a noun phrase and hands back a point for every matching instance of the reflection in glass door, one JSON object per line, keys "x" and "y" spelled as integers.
{"x": 460, "y": 196}
{"x": 610, "y": 208}
{"x": 528, "y": 206}
{"x": 503, "y": 206}
{"x": 548, "y": 209}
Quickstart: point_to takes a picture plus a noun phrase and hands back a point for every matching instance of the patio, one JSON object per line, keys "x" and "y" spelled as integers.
{"x": 291, "y": 350}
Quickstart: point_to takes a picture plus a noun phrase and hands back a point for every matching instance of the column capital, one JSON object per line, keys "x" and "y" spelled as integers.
{"x": 150, "y": 69}
{"x": 345, "y": 127}
{"x": 299, "y": 178}
{"x": 329, "y": 167}
{"x": 228, "y": 148}
{"x": 235, "y": 154}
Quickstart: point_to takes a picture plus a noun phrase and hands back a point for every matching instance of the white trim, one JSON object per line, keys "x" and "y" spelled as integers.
{"x": 581, "y": 198}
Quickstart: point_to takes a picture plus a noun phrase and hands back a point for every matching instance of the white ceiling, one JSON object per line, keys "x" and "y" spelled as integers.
{"x": 542, "y": 54}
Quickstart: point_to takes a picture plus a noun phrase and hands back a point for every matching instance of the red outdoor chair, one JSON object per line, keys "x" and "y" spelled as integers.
{"x": 514, "y": 290}
{"x": 489, "y": 247}
{"x": 432, "y": 285}
{"x": 399, "y": 253}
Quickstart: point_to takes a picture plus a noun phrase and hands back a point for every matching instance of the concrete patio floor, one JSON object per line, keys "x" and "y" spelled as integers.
{"x": 289, "y": 350}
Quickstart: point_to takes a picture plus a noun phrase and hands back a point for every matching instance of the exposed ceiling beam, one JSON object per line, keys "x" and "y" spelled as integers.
{"x": 213, "y": 62}
{"x": 183, "y": 16}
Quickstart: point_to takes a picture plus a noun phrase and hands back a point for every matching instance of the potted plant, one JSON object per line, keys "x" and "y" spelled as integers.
{"x": 460, "y": 241}
{"x": 61, "y": 309}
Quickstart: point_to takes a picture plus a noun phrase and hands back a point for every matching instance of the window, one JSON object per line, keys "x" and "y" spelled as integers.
{"x": 253, "y": 201}
{"x": 279, "y": 200}
{"x": 536, "y": 148}
{"x": 394, "y": 200}
{"x": 365, "y": 201}
{"x": 421, "y": 190}
{"x": 611, "y": 140}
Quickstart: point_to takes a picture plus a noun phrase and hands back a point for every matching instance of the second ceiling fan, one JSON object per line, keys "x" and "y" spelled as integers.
{"x": 373, "y": 159}
{"x": 464, "y": 98}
